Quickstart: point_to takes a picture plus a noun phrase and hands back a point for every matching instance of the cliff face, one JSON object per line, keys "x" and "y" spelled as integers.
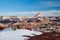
{"x": 3, "y": 26}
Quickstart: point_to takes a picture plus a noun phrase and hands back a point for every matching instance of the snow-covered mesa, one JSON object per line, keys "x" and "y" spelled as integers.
{"x": 18, "y": 34}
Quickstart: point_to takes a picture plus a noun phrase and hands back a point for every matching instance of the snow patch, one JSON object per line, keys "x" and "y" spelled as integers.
{"x": 18, "y": 34}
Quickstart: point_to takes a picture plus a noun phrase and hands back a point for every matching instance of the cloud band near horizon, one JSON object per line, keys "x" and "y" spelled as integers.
{"x": 44, "y": 13}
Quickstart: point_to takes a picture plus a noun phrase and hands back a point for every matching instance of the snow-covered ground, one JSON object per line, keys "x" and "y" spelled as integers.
{"x": 17, "y": 34}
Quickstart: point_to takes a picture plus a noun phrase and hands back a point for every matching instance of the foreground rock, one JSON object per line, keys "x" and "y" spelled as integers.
{"x": 47, "y": 36}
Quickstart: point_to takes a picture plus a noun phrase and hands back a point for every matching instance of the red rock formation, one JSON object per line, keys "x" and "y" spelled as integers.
{"x": 46, "y": 36}
{"x": 3, "y": 26}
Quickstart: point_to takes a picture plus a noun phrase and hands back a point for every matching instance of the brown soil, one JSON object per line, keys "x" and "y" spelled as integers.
{"x": 47, "y": 36}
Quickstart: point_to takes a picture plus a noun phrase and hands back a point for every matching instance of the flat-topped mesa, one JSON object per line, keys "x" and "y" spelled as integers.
{"x": 41, "y": 18}
{"x": 38, "y": 15}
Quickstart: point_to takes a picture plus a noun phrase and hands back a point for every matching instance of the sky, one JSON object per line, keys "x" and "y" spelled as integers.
{"x": 29, "y": 7}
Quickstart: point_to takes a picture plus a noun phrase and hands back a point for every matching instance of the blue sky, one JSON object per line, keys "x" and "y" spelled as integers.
{"x": 10, "y": 6}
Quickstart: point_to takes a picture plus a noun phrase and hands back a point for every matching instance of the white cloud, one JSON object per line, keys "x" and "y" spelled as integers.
{"x": 48, "y": 4}
{"x": 51, "y": 13}
{"x": 44, "y": 13}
